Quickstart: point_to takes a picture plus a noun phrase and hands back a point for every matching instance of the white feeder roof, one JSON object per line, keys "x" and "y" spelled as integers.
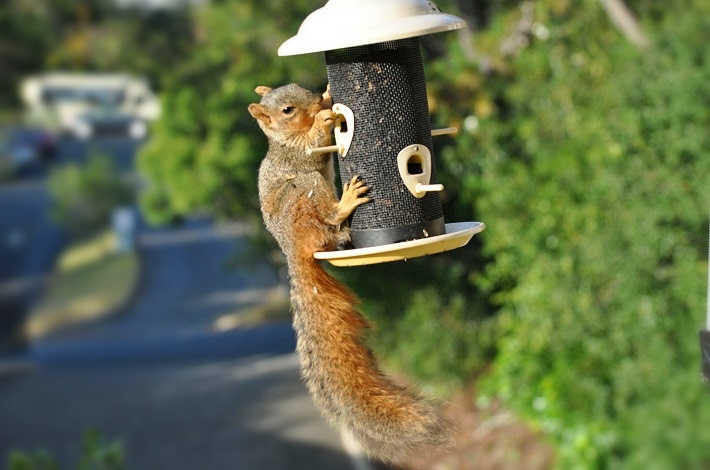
{"x": 350, "y": 23}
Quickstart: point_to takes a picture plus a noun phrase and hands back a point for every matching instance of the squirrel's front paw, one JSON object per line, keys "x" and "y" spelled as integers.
{"x": 352, "y": 198}
{"x": 353, "y": 194}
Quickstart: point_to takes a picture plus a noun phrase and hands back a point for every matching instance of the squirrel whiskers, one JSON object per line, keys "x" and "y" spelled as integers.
{"x": 300, "y": 209}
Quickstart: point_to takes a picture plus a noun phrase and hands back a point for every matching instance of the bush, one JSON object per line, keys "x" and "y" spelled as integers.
{"x": 206, "y": 148}
{"x": 84, "y": 197}
{"x": 429, "y": 321}
{"x": 591, "y": 172}
{"x": 97, "y": 454}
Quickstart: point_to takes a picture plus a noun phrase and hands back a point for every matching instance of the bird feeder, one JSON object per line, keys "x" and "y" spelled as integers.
{"x": 383, "y": 132}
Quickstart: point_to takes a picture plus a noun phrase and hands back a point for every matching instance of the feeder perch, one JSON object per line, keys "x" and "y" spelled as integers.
{"x": 383, "y": 132}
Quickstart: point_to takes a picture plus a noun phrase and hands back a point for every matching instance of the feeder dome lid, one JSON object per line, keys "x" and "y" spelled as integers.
{"x": 349, "y": 23}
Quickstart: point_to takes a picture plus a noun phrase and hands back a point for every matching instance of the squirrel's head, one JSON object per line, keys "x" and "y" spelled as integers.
{"x": 287, "y": 113}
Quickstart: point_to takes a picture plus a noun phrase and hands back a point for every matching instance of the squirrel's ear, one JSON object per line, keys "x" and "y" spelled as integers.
{"x": 259, "y": 112}
{"x": 327, "y": 102}
{"x": 263, "y": 90}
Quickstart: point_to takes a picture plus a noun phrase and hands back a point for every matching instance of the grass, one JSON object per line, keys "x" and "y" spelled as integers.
{"x": 91, "y": 281}
{"x": 5, "y": 168}
{"x": 276, "y": 308}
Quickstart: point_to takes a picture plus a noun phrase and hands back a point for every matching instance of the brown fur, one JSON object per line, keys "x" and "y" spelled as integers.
{"x": 301, "y": 210}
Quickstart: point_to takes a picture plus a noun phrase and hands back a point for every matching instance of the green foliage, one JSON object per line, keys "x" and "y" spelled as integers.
{"x": 205, "y": 151}
{"x": 96, "y": 35}
{"x": 446, "y": 344}
{"x": 23, "y": 42}
{"x": 97, "y": 454}
{"x": 90, "y": 35}
{"x": 430, "y": 321}
{"x": 84, "y": 197}
{"x": 39, "y": 460}
{"x": 589, "y": 167}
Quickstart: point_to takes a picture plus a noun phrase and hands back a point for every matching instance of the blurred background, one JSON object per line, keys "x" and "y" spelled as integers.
{"x": 144, "y": 318}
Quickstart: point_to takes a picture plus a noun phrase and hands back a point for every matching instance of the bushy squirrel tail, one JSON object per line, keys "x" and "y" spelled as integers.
{"x": 390, "y": 422}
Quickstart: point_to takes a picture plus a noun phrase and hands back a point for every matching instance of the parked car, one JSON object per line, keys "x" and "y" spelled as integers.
{"x": 37, "y": 143}
{"x": 108, "y": 121}
{"x": 23, "y": 147}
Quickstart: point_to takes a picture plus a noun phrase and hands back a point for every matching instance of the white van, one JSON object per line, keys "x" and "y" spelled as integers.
{"x": 85, "y": 105}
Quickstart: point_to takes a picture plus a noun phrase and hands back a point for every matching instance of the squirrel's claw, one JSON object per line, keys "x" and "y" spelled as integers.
{"x": 357, "y": 186}
{"x": 353, "y": 195}
{"x": 352, "y": 198}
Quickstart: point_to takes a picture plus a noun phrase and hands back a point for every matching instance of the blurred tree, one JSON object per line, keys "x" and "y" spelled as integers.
{"x": 205, "y": 151}
{"x": 84, "y": 197}
{"x": 89, "y": 35}
{"x": 24, "y": 41}
{"x": 586, "y": 158}
{"x": 96, "y": 35}
{"x": 98, "y": 453}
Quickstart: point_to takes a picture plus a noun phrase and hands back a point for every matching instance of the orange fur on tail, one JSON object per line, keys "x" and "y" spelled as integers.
{"x": 300, "y": 209}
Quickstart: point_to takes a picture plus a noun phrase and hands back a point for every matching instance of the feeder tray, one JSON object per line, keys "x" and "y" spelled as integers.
{"x": 457, "y": 235}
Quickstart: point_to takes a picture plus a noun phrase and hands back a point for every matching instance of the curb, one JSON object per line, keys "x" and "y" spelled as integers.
{"x": 109, "y": 313}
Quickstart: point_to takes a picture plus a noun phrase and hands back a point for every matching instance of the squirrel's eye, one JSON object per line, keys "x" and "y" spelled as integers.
{"x": 288, "y": 109}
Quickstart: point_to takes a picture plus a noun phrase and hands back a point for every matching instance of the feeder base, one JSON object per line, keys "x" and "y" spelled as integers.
{"x": 368, "y": 238}
{"x": 457, "y": 235}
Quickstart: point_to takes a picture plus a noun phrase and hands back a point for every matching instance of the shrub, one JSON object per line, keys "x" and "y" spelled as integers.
{"x": 84, "y": 197}
{"x": 97, "y": 454}
{"x": 587, "y": 160}
{"x": 591, "y": 172}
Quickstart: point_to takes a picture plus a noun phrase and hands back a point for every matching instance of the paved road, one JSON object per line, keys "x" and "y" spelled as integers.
{"x": 29, "y": 244}
{"x": 28, "y": 239}
{"x": 121, "y": 150}
{"x": 239, "y": 414}
{"x": 157, "y": 376}
{"x": 186, "y": 285}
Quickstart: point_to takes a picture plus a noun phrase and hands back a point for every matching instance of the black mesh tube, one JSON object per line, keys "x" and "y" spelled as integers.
{"x": 384, "y": 85}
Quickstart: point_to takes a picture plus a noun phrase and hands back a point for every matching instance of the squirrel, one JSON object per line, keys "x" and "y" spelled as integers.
{"x": 302, "y": 212}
